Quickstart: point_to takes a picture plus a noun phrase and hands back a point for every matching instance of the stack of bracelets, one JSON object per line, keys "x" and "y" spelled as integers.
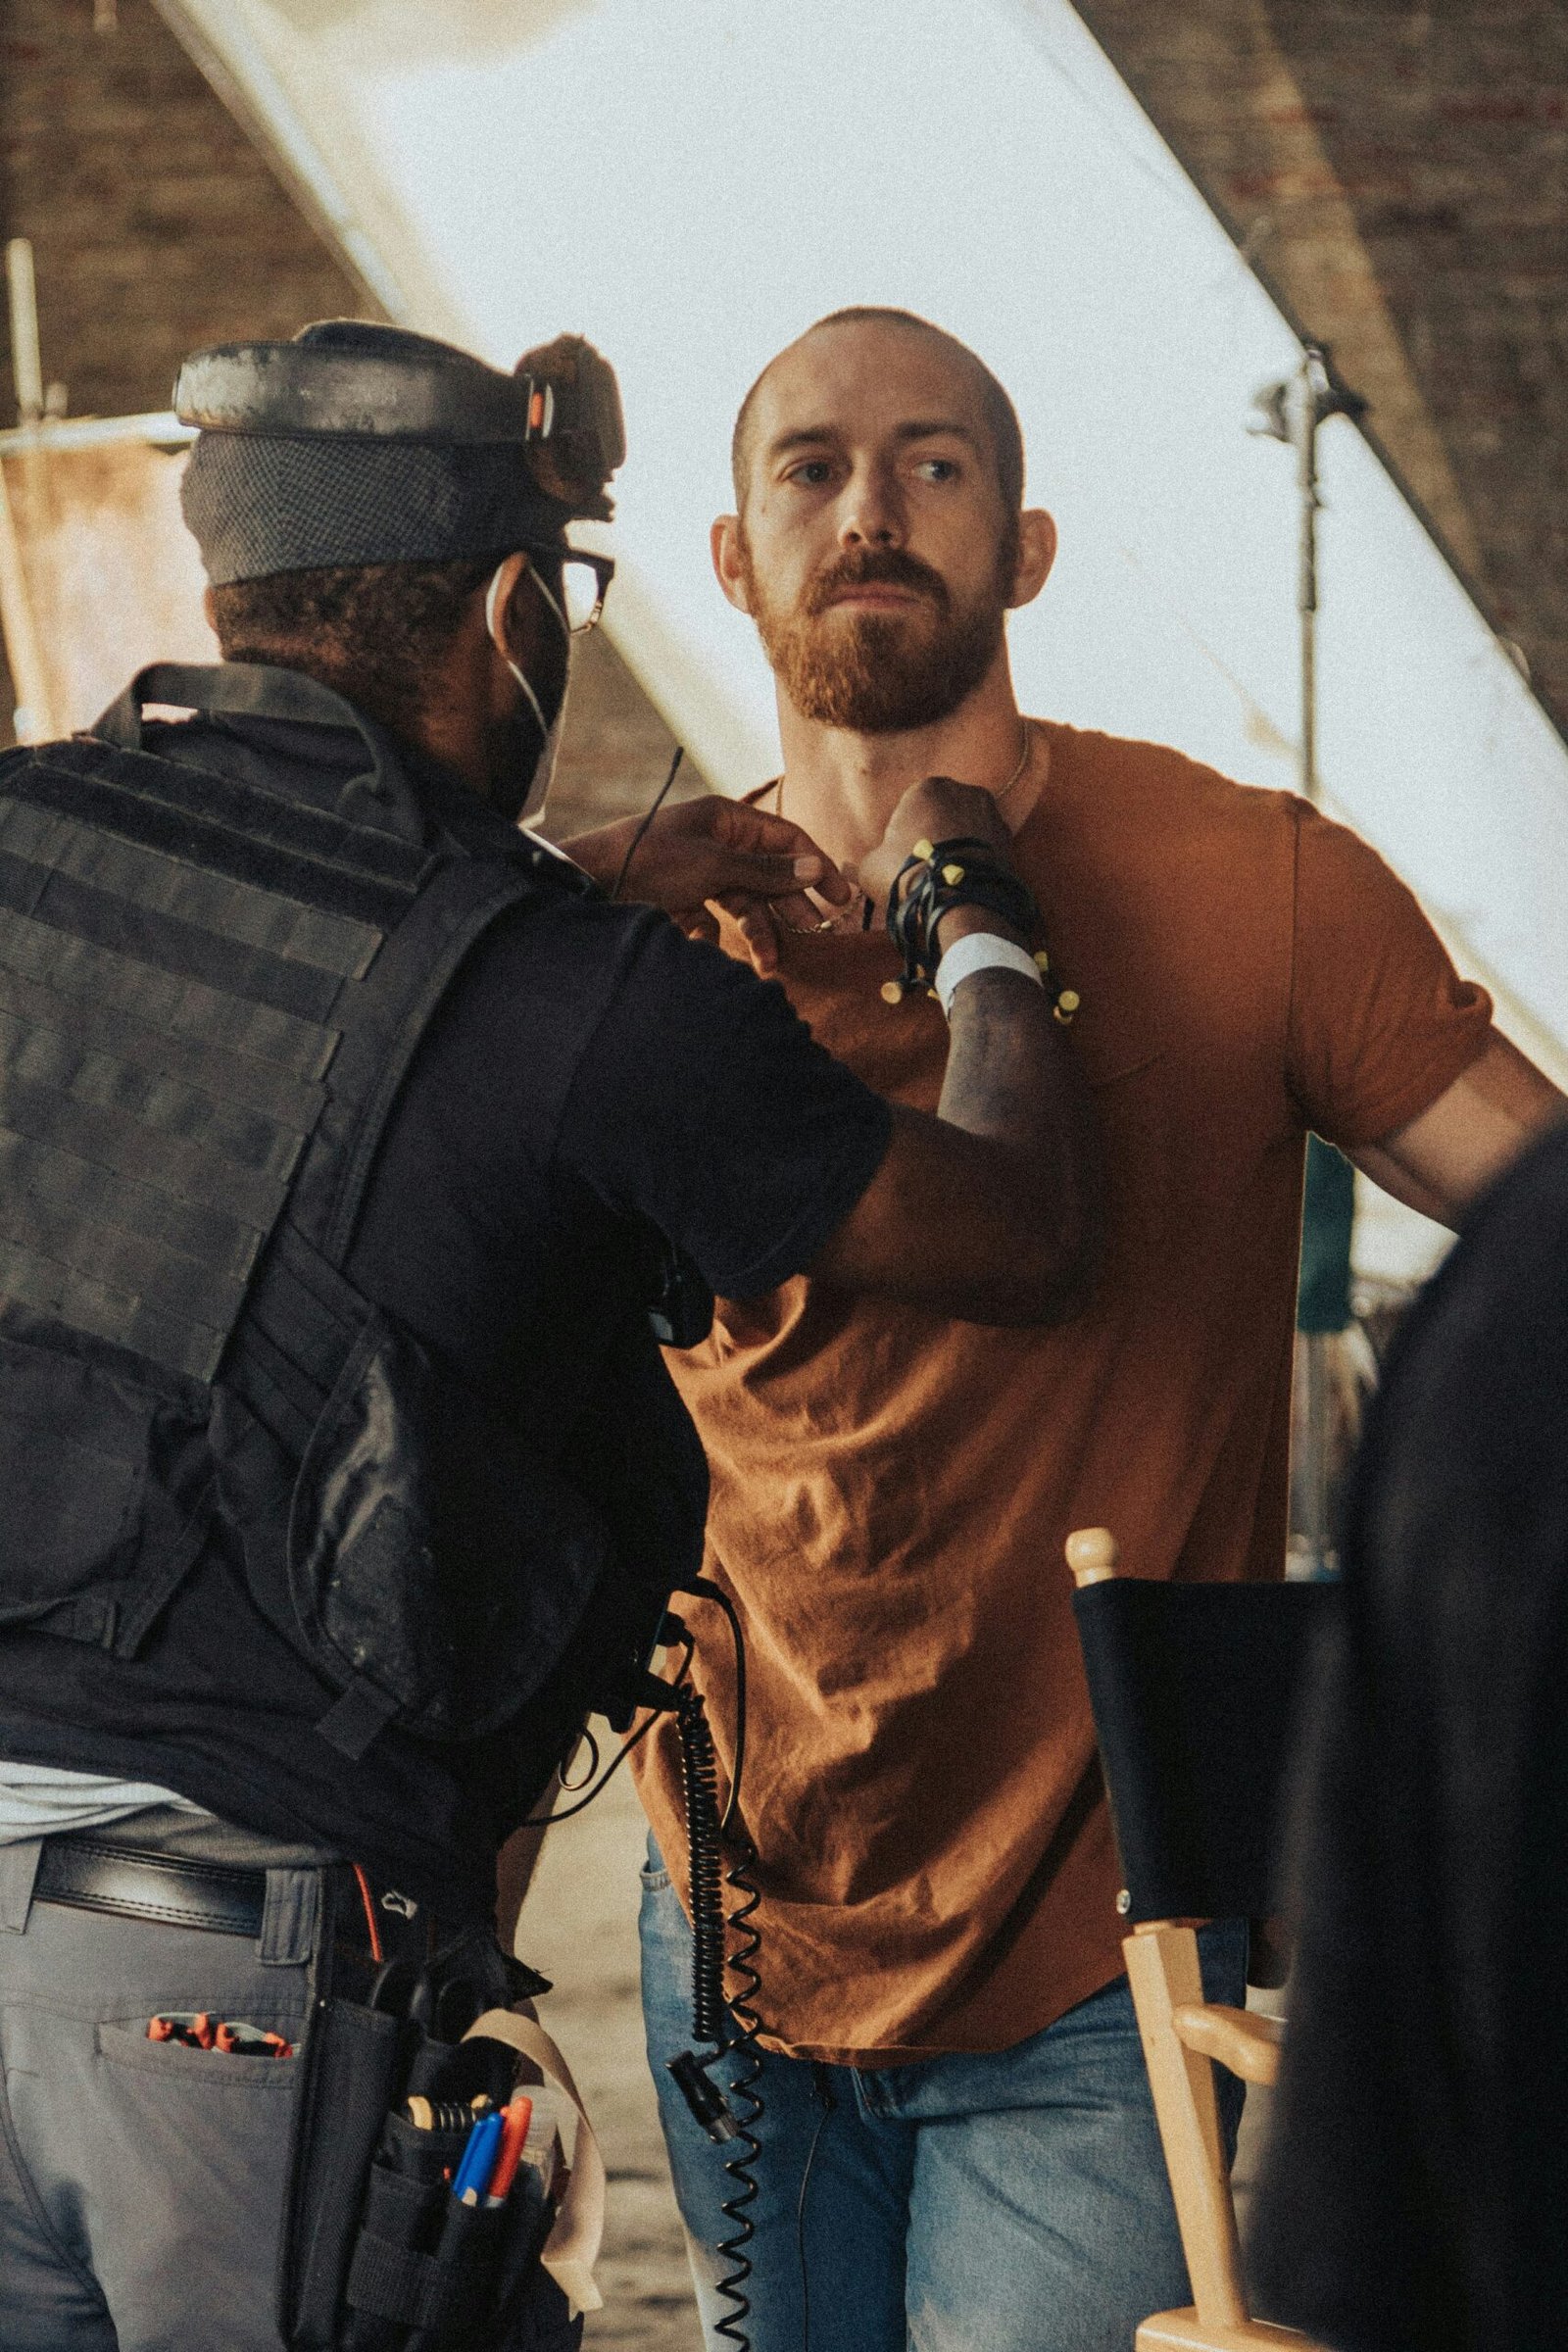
{"x": 963, "y": 872}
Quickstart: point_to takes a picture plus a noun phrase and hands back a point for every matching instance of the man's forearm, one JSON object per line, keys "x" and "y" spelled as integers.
{"x": 1014, "y": 1079}
{"x": 1438, "y": 1162}
{"x": 989, "y": 1211}
{"x": 602, "y": 853}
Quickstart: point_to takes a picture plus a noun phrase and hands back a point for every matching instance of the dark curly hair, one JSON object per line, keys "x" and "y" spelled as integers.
{"x": 371, "y": 632}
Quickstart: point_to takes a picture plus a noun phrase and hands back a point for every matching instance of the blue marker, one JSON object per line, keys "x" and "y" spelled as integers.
{"x": 473, "y": 2173}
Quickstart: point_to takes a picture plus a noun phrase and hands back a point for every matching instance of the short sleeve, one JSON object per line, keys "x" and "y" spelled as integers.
{"x": 703, "y": 1103}
{"x": 1380, "y": 1024}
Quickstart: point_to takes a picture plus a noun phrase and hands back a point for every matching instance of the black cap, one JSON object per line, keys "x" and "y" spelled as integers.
{"x": 358, "y": 444}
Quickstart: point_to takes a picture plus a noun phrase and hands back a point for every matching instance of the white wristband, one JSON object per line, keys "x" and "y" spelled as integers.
{"x": 981, "y": 951}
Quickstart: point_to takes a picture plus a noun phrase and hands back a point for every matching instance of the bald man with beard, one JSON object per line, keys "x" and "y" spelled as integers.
{"x": 958, "y": 2147}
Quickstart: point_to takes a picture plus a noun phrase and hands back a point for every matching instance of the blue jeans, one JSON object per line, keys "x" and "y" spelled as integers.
{"x": 1014, "y": 2201}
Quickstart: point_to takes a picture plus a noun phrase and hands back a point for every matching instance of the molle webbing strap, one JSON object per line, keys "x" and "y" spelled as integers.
{"x": 172, "y": 1004}
{"x": 169, "y": 974}
{"x": 230, "y": 1065}
{"x": 301, "y": 1320}
{"x": 236, "y": 827}
{"x": 260, "y": 917}
{"x": 170, "y": 944}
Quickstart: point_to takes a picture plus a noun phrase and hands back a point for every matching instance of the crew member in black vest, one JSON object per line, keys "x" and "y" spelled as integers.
{"x": 356, "y": 1148}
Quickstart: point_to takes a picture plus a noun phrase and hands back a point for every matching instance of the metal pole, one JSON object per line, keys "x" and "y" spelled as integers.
{"x": 158, "y": 426}
{"x": 1292, "y": 411}
{"x": 27, "y": 357}
{"x": 35, "y": 714}
{"x": 1307, "y": 422}
{"x": 1316, "y": 1344}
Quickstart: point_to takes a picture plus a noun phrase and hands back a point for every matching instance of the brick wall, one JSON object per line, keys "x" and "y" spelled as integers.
{"x": 157, "y": 226}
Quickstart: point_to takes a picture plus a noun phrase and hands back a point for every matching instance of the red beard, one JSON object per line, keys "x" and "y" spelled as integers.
{"x": 877, "y": 673}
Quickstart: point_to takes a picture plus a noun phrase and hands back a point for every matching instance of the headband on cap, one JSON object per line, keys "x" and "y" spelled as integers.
{"x": 358, "y": 443}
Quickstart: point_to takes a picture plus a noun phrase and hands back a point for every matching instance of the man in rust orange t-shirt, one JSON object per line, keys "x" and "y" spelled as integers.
{"x": 948, "y": 2025}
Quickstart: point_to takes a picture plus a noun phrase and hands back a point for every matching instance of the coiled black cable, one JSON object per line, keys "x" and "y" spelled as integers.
{"x": 699, "y": 1769}
{"x": 705, "y": 1589}
{"x": 708, "y": 1835}
{"x": 743, "y": 2087}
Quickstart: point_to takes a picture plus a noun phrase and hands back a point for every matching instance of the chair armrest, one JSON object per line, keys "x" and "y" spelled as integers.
{"x": 1246, "y": 2044}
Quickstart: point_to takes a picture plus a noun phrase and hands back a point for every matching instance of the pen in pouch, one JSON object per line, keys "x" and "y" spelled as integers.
{"x": 514, "y": 2121}
{"x": 478, "y": 2161}
{"x": 469, "y": 2187}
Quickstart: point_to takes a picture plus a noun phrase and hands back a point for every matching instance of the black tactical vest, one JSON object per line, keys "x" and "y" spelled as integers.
{"x": 210, "y": 994}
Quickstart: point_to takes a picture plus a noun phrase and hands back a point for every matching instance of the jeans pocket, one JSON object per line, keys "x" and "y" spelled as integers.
{"x": 653, "y": 1874}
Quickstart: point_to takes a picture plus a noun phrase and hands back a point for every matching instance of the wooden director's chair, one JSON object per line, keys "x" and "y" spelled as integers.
{"x": 1194, "y": 1691}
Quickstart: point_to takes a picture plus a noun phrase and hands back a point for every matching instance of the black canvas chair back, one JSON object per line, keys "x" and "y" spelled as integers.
{"x": 1195, "y": 1692}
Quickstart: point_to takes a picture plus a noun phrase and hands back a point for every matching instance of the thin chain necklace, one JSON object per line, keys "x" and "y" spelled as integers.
{"x": 1025, "y": 747}
{"x": 1026, "y": 740}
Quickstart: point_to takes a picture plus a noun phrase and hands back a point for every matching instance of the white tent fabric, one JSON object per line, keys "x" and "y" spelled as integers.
{"x": 691, "y": 181}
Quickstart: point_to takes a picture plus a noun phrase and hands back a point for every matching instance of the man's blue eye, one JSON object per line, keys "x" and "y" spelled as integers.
{"x": 812, "y": 472}
{"x": 939, "y": 470}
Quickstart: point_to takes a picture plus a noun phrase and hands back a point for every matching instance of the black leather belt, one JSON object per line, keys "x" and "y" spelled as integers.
{"x": 134, "y": 1885}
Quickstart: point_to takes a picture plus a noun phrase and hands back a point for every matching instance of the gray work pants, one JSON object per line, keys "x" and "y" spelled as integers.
{"x": 142, "y": 2183}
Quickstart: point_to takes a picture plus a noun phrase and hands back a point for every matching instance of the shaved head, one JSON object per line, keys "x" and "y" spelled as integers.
{"x": 999, "y": 414}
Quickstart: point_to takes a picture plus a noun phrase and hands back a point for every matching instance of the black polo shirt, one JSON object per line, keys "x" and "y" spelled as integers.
{"x": 590, "y": 1073}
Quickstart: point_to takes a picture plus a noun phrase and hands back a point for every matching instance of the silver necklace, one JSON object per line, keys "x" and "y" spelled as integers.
{"x": 1026, "y": 739}
{"x": 1025, "y": 746}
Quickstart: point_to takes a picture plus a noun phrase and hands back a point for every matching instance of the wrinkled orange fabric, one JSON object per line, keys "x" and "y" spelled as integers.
{"x": 892, "y": 1490}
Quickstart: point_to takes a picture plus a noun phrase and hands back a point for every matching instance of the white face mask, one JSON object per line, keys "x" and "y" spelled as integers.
{"x": 549, "y": 736}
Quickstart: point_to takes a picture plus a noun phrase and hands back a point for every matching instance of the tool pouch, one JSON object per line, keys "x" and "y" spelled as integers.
{"x": 451, "y": 2273}
{"x": 351, "y": 2064}
{"x": 379, "y": 2255}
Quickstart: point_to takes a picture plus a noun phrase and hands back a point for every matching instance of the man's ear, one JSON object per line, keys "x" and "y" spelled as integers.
{"x": 500, "y": 620}
{"x": 209, "y": 607}
{"x": 724, "y": 543}
{"x": 1037, "y": 552}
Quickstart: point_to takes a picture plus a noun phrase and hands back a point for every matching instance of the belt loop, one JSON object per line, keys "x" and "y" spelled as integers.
{"x": 291, "y": 1918}
{"x": 19, "y": 1868}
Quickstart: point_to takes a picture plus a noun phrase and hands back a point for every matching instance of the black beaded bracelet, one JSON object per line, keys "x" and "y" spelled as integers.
{"x": 961, "y": 872}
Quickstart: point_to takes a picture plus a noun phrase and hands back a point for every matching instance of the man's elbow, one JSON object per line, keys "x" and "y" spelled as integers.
{"x": 1049, "y": 1280}
{"x": 1062, "y": 1286}
{"x": 1044, "y": 1273}
{"x": 1068, "y": 1251}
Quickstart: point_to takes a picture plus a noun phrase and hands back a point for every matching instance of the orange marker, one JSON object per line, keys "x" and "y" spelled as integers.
{"x": 514, "y": 2121}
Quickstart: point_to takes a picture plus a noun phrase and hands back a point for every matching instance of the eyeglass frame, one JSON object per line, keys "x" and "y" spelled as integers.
{"x": 603, "y": 569}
